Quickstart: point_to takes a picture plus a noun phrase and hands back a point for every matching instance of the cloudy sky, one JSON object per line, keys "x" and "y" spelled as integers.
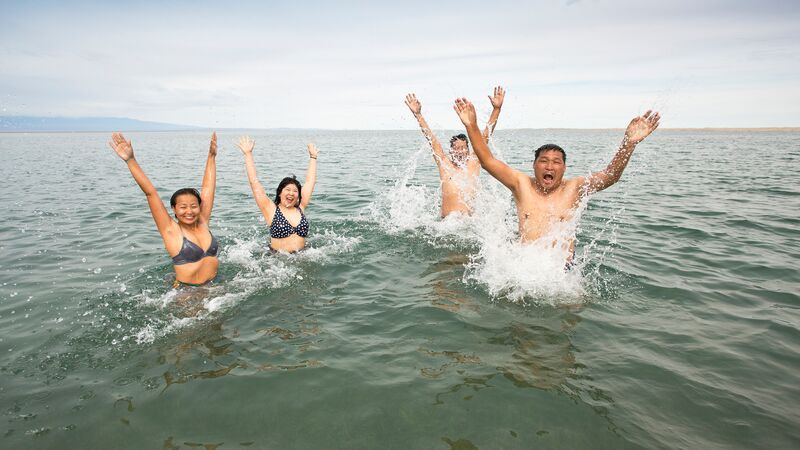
{"x": 348, "y": 64}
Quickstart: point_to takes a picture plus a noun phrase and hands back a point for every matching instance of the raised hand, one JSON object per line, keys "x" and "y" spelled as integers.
{"x": 498, "y": 97}
{"x": 312, "y": 151}
{"x": 413, "y": 104}
{"x": 465, "y": 111}
{"x": 246, "y": 145}
{"x": 212, "y": 148}
{"x": 641, "y": 127}
{"x": 122, "y": 147}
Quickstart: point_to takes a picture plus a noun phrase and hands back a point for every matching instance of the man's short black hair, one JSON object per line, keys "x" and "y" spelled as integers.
{"x": 547, "y": 147}
{"x": 459, "y": 137}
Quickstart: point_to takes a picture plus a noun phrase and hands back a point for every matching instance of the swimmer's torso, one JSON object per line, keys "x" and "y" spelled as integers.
{"x": 290, "y": 239}
{"x": 459, "y": 185}
{"x": 539, "y": 214}
{"x": 197, "y": 272}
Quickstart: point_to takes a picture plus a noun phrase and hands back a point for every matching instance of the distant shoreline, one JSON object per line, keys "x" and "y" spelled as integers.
{"x": 200, "y": 129}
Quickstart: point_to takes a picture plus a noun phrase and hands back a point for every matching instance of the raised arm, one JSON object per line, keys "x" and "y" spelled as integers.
{"x": 496, "y": 168}
{"x": 311, "y": 176}
{"x": 209, "y": 180}
{"x": 265, "y": 204}
{"x": 416, "y": 108}
{"x": 497, "y": 102}
{"x": 639, "y": 128}
{"x": 160, "y": 215}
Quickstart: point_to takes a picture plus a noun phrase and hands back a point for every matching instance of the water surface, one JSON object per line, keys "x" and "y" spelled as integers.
{"x": 396, "y": 329}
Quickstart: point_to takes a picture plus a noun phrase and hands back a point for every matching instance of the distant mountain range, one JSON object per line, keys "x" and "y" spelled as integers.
{"x": 34, "y": 124}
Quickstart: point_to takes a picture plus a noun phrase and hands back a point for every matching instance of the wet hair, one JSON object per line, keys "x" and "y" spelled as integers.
{"x": 548, "y": 147}
{"x": 190, "y": 191}
{"x": 284, "y": 182}
{"x": 459, "y": 137}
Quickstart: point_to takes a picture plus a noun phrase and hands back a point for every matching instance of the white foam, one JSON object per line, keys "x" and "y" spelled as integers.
{"x": 508, "y": 269}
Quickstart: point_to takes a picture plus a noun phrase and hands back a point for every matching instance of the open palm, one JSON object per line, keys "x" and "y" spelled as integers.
{"x": 497, "y": 97}
{"x": 246, "y": 144}
{"x": 413, "y": 104}
{"x": 120, "y": 146}
{"x": 641, "y": 127}
{"x": 465, "y": 111}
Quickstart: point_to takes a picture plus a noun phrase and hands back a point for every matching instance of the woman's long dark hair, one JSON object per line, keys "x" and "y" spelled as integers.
{"x": 191, "y": 191}
{"x": 284, "y": 182}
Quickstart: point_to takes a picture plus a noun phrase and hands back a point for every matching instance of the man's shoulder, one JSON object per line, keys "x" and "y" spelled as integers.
{"x": 574, "y": 183}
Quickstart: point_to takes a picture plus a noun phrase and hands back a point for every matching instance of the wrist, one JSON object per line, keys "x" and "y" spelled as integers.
{"x": 312, "y": 157}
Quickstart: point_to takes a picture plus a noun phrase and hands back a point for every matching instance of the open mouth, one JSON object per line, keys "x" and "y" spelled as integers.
{"x": 548, "y": 177}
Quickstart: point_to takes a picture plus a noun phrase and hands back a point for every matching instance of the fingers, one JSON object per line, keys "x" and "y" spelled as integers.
{"x": 118, "y": 139}
{"x": 245, "y": 143}
{"x": 412, "y": 103}
{"x": 655, "y": 120}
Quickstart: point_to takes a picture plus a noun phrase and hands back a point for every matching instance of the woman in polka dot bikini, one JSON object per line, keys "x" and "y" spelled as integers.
{"x": 288, "y": 225}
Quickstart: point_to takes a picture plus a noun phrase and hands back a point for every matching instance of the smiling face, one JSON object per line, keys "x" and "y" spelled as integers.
{"x": 290, "y": 195}
{"x": 459, "y": 150}
{"x": 548, "y": 169}
{"x": 187, "y": 209}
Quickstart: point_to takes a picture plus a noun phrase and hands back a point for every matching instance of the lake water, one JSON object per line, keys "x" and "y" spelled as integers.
{"x": 395, "y": 329}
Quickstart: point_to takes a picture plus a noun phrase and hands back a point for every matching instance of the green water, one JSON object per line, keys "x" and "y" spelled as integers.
{"x": 397, "y": 330}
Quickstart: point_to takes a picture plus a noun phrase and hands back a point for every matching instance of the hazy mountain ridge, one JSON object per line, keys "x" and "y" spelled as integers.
{"x": 36, "y": 123}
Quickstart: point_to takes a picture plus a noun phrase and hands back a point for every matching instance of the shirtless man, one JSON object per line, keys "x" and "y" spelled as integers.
{"x": 458, "y": 171}
{"x": 546, "y": 199}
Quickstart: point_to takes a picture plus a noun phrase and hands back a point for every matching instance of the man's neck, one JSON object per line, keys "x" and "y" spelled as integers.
{"x": 543, "y": 190}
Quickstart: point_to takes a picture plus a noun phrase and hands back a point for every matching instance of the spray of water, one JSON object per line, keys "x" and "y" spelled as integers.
{"x": 255, "y": 269}
{"x": 534, "y": 272}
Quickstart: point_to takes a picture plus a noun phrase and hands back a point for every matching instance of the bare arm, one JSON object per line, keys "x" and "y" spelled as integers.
{"x": 496, "y": 168}
{"x": 416, "y": 108}
{"x": 209, "y": 180}
{"x": 265, "y": 204}
{"x": 160, "y": 215}
{"x": 497, "y": 103}
{"x": 639, "y": 128}
{"x": 311, "y": 176}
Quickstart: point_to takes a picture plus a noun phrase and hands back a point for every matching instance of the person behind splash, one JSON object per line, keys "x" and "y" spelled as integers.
{"x": 458, "y": 169}
{"x": 546, "y": 200}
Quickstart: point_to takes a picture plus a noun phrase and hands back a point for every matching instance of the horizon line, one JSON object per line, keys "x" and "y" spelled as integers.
{"x": 197, "y": 129}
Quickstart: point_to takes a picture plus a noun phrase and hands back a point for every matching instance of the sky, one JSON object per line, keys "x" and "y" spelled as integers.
{"x": 349, "y": 64}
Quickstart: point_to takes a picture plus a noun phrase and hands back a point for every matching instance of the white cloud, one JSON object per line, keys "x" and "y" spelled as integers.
{"x": 582, "y": 64}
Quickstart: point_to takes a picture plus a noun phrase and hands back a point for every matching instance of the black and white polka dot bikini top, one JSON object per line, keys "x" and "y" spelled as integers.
{"x": 281, "y": 227}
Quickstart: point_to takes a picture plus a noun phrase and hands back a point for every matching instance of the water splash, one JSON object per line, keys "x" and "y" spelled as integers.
{"x": 253, "y": 268}
{"x": 498, "y": 262}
